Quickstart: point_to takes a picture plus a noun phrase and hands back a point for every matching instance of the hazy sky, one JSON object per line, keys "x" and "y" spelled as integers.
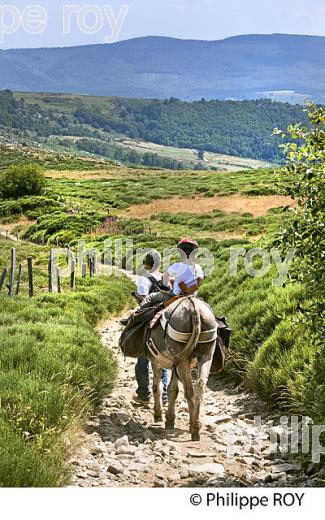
{"x": 196, "y": 19}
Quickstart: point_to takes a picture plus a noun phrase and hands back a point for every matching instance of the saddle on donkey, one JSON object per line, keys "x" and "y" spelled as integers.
{"x": 135, "y": 338}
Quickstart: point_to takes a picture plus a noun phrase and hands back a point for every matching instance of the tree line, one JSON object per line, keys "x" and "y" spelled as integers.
{"x": 240, "y": 128}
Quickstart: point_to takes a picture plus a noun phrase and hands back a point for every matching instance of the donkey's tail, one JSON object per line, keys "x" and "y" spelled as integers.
{"x": 193, "y": 341}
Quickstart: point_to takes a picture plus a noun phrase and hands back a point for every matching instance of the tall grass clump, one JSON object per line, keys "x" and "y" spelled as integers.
{"x": 53, "y": 371}
{"x": 270, "y": 350}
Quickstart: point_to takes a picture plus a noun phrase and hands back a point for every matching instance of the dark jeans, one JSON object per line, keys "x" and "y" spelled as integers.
{"x": 143, "y": 380}
{"x": 154, "y": 298}
{"x": 142, "y": 366}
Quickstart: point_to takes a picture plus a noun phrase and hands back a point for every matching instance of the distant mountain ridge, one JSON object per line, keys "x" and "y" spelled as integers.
{"x": 242, "y": 67}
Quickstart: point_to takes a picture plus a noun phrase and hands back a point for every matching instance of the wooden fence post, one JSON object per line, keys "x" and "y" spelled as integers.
{"x": 12, "y": 271}
{"x": 90, "y": 265}
{"x": 94, "y": 261}
{"x": 83, "y": 269}
{"x": 58, "y": 279}
{"x": 30, "y": 276}
{"x": 3, "y": 277}
{"x": 50, "y": 272}
{"x": 19, "y": 279}
{"x": 73, "y": 274}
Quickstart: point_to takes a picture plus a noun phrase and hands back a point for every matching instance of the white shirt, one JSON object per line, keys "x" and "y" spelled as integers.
{"x": 144, "y": 285}
{"x": 187, "y": 273}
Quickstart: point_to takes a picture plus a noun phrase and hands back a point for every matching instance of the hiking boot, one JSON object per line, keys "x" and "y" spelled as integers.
{"x": 138, "y": 400}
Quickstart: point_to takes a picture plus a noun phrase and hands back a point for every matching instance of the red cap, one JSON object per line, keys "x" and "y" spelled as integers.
{"x": 188, "y": 241}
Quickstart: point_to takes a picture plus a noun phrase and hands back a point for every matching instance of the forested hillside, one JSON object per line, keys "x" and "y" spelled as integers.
{"x": 229, "y": 127}
{"x": 241, "y": 129}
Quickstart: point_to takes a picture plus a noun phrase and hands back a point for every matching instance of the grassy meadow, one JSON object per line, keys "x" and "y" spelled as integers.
{"x": 53, "y": 367}
{"x": 77, "y": 202}
{"x": 190, "y": 156}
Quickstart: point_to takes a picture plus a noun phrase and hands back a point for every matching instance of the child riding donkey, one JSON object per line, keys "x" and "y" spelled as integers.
{"x": 184, "y": 276}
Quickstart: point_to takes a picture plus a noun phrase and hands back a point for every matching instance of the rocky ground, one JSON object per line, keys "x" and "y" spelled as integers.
{"x": 122, "y": 447}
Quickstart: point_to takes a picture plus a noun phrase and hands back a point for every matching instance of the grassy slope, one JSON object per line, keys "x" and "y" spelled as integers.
{"x": 79, "y": 200}
{"x": 128, "y": 187}
{"x": 187, "y": 155}
{"x": 268, "y": 350}
{"x": 53, "y": 370}
{"x": 47, "y": 159}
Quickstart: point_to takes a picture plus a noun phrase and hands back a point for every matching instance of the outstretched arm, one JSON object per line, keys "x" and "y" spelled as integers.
{"x": 166, "y": 279}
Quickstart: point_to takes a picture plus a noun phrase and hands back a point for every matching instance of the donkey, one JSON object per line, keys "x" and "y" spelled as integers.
{"x": 187, "y": 335}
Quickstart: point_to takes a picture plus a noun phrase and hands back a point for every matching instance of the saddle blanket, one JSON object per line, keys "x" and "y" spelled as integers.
{"x": 156, "y": 319}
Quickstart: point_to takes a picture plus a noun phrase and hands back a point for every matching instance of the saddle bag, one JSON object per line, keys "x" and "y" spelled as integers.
{"x": 224, "y": 331}
{"x": 134, "y": 336}
{"x": 220, "y": 354}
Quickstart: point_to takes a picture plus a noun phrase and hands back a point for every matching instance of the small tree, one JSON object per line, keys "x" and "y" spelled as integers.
{"x": 305, "y": 230}
{"x": 21, "y": 180}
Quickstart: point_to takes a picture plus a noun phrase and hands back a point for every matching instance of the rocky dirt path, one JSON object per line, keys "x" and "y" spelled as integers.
{"x": 122, "y": 447}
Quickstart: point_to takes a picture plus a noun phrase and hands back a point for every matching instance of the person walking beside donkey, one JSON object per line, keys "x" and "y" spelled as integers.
{"x": 149, "y": 283}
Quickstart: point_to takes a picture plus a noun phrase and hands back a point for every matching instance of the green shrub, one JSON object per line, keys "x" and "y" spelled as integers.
{"x": 304, "y": 232}
{"x": 131, "y": 226}
{"x": 31, "y": 207}
{"x": 18, "y": 181}
{"x": 281, "y": 366}
{"x": 63, "y": 228}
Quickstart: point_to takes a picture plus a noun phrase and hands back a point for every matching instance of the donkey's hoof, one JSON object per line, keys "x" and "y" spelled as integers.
{"x": 170, "y": 425}
{"x": 158, "y": 418}
{"x": 195, "y": 436}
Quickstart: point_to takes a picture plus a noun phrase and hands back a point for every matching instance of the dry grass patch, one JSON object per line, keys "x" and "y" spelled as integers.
{"x": 111, "y": 172}
{"x": 257, "y": 206}
{"x": 79, "y": 174}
